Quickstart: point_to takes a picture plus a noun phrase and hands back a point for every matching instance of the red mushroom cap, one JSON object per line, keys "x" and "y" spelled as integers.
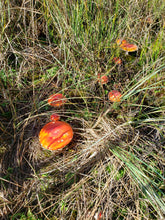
{"x": 117, "y": 60}
{"x": 129, "y": 47}
{"x": 121, "y": 41}
{"x": 103, "y": 79}
{"x": 124, "y": 45}
{"x": 114, "y": 96}
{"x": 55, "y": 135}
{"x": 56, "y": 100}
{"x": 54, "y": 117}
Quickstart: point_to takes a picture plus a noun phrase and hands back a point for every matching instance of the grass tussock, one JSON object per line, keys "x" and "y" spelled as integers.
{"x": 114, "y": 166}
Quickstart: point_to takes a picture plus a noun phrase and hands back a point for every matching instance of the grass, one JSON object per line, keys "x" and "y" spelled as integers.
{"x": 115, "y": 162}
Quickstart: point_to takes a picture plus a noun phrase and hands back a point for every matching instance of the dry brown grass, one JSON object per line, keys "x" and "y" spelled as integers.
{"x": 115, "y": 161}
{"x": 80, "y": 180}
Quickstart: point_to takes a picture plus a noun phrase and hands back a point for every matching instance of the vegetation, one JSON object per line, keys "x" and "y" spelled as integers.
{"x": 115, "y": 163}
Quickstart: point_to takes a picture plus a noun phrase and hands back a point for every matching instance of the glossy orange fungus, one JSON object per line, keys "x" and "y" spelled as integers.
{"x": 117, "y": 60}
{"x": 129, "y": 47}
{"x": 114, "y": 96}
{"x": 120, "y": 41}
{"x": 124, "y": 45}
{"x": 103, "y": 79}
{"x": 56, "y": 100}
{"x": 55, "y": 117}
{"x": 55, "y": 135}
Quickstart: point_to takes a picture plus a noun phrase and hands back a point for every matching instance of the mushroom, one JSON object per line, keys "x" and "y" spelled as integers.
{"x": 117, "y": 60}
{"x": 98, "y": 216}
{"x": 55, "y": 134}
{"x": 120, "y": 41}
{"x": 124, "y": 45}
{"x": 55, "y": 117}
{"x": 56, "y": 100}
{"x": 103, "y": 79}
{"x": 114, "y": 96}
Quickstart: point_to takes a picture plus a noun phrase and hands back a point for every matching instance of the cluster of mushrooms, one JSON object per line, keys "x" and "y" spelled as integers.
{"x": 57, "y": 134}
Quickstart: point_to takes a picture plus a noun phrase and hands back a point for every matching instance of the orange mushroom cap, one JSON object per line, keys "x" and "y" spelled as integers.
{"x": 129, "y": 47}
{"x": 56, "y": 100}
{"x": 117, "y": 60}
{"x": 124, "y": 45}
{"x": 55, "y": 135}
{"x": 103, "y": 79}
{"x": 121, "y": 41}
{"x": 54, "y": 117}
{"x": 114, "y": 96}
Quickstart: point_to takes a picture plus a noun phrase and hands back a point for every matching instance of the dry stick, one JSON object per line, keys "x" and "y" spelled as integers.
{"x": 16, "y": 184}
{"x": 41, "y": 207}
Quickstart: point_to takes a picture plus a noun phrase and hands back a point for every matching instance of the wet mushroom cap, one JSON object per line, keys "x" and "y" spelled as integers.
{"x": 56, "y": 100}
{"x": 55, "y": 117}
{"x": 117, "y": 60}
{"x": 120, "y": 41}
{"x": 55, "y": 135}
{"x": 129, "y": 47}
{"x": 114, "y": 96}
{"x": 124, "y": 45}
{"x": 103, "y": 79}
